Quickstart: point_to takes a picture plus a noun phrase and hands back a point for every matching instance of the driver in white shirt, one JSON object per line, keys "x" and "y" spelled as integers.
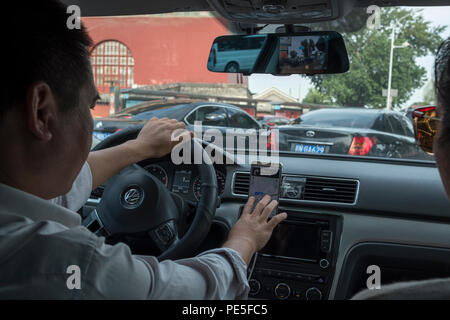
{"x": 45, "y": 138}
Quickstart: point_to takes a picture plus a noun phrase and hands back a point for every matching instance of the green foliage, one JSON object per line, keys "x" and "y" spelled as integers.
{"x": 316, "y": 97}
{"x": 429, "y": 96}
{"x": 369, "y": 51}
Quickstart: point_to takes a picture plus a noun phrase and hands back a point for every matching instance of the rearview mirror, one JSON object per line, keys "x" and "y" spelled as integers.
{"x": 280, "y": 54}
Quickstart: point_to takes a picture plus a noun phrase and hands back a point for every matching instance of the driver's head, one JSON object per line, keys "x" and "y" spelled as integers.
{"x": 441, "y": 146}
{"x": 47, "y": 90}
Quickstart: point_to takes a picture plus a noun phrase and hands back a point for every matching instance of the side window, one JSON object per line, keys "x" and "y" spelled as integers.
{"x": 209, "y": 116}
{"x": 378, "y": 124}
{"x": 387, "y": 125}
{"x": 397, "y": 125}
{"x": 240, "y": 119}
{"x": 256, "y": 43}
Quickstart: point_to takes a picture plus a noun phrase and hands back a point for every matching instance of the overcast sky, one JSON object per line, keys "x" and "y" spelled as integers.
{"x": 296, "y": 85}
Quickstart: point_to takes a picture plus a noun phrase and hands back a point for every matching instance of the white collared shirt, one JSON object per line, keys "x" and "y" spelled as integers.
{"x": 43, "y": 245}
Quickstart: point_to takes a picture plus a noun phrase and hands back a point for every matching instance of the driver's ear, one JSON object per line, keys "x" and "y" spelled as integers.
{"x": 40, "y": 110}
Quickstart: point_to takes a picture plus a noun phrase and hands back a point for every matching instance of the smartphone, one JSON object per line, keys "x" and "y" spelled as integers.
{"x": 265, "y": 179}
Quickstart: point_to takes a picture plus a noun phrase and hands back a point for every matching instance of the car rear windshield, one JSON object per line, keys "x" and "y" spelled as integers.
{"x": 339, "y": 118}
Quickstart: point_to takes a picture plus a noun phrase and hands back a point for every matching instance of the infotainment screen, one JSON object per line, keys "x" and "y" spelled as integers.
{"x": 292, "y": 240}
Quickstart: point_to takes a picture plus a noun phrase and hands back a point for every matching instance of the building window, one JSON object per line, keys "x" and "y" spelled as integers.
{"x": 112, "y": 65}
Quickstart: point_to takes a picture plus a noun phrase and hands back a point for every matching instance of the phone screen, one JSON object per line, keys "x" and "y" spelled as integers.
{"x": 264, "y": 180}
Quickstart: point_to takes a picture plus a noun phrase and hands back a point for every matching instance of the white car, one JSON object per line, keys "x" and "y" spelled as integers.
{"x": 235, "y": 56}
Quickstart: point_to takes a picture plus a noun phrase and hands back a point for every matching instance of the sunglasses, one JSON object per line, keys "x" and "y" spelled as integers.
{"x": 425, "y": 121}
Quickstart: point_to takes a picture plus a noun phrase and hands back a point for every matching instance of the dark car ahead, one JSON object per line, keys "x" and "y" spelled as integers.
{"x": 352, "y": 131}
{"x": 212, "y": 115}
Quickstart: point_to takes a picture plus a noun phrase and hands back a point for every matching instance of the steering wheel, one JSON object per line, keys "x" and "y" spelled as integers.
{"x": 135, "y": 202}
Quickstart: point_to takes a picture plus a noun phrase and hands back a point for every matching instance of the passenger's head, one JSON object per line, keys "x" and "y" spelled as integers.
{"x": 441, "y": 146}
{"x": 46, "y": 92}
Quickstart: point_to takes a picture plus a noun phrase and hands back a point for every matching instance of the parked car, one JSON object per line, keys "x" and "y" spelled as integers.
{"x": 212, "y": 115}
{"x": 352, "y": 131}
{"x": 273, "y": 121}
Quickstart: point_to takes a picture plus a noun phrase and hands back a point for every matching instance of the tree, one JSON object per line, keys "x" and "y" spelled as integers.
{"x": 429, "y": 96}
{"x": 369, "y": 50}
{"x": 315, "y": 97}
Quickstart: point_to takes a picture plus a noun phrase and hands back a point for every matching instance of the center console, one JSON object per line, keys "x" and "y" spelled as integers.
{"x": 299, "y": 260}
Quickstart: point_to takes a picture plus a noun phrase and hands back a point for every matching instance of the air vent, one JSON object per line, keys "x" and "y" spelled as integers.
{"x": 316, "y": 189}
{"x": 330, "y": 190}
{"x": 241, "y": 183}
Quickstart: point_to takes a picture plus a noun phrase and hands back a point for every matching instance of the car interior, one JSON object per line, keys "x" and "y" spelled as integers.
{"x": 344, "y": 213}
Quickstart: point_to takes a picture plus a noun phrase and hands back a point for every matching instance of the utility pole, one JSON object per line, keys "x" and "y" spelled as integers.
{"x": 391, "y": 57}
{"x": 388, "y": 98}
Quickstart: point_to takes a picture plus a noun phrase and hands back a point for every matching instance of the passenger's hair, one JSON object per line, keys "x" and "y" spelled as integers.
{"x": 442, "y": 86}
{"x": 38, "y": 46}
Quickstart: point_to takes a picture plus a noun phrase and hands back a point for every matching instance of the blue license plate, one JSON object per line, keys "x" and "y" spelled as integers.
{"x": 309, "y": 148}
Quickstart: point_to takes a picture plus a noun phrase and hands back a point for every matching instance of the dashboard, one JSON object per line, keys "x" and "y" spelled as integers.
{"x": 183, "y": 180}
{"x": 398, "y": 217}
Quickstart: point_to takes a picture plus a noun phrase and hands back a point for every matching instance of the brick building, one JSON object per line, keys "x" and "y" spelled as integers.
{"x": 136, "y": 51}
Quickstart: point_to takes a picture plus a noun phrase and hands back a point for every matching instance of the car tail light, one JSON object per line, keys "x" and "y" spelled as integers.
{"x": 272, "y": 140}
{"x": 118, "y": 130}
{"x": 419, "y": 112}
{"x": 361, "y": 145}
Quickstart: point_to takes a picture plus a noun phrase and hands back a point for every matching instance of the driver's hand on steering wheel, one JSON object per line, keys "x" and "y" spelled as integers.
{"x": 253, "y": 229}
{"x": 155, "y": 138}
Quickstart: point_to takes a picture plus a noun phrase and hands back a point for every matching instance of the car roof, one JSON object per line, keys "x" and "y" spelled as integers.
{"x": 354, "y": 111}
{"x": 180, "y": 111}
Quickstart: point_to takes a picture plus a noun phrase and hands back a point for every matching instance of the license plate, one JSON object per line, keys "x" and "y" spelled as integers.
{"x": 101, "y": 135}
{"x": 309, "y": 148}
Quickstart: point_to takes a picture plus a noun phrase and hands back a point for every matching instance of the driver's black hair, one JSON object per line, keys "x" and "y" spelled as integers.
{"x": 39, "y": 46}
{"x": 442, "y": 87}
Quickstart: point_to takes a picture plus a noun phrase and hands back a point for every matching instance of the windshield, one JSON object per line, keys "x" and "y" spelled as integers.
{"x": 365, "y": 112}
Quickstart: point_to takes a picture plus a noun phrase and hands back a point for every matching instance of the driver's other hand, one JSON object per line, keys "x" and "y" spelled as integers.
{"x": 155, "y": 138}
{"x": 255, "y": 228}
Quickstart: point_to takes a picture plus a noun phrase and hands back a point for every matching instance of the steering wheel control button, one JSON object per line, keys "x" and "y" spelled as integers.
{"x": 282, "y": 291}
{"x": 132, "y": 197}
{"x": 324, "y": 263}
{"x": 255, "y": 287}
{"x": 313, "y": 294}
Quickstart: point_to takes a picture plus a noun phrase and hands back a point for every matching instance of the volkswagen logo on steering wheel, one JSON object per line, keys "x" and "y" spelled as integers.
{"x": 132, "y": 197}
